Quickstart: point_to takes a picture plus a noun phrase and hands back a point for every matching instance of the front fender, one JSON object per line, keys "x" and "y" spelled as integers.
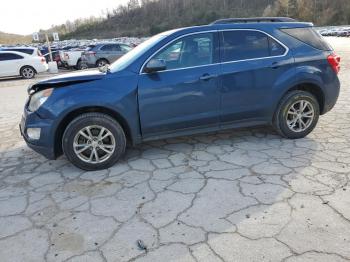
{"x": 118, "y": 95}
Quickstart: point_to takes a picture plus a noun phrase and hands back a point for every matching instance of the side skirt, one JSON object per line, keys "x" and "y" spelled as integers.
{"x": 194, "y": 131}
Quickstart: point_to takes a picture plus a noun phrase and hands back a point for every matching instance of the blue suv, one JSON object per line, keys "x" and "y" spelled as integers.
{"x": 231, "y": 73}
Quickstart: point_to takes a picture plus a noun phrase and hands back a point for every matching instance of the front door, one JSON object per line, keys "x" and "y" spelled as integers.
{"x": 185, "y": 96}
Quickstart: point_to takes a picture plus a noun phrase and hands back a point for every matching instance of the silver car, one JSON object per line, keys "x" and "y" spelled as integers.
{"x": 102, "y": 54}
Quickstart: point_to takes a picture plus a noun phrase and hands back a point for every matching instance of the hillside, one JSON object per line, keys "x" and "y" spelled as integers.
{"x": 147, "y": 17}
{"x": 6, "y": 38}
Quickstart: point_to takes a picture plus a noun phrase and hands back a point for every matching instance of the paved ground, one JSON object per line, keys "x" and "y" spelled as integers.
{"x": 244, "y": 195}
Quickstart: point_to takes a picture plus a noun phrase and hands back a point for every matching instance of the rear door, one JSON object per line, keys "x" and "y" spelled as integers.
{"x": 185, "y": 96}
{"x": 116, "y": 53}
{"x": 252, "y": 62}
{"x": 106, "y": 52}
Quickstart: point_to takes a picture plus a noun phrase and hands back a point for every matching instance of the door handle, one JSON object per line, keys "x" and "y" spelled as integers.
{"x": 207, "y": 77}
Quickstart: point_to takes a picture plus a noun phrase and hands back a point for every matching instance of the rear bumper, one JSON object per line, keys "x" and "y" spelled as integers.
{"x": 331, "y": 96}
{"x": 44, "y": 145}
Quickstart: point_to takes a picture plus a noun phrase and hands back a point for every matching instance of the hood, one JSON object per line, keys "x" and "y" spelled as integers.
{"x": 66, "y": 79}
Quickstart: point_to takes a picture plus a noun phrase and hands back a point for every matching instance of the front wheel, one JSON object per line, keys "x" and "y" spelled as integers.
{"x": 297, "y": 114}
{"x": 93, "y": 141}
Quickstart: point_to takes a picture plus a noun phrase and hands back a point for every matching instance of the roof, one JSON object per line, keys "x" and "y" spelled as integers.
{"x": 254, "y": 20}
{"x": 262, "y": 25}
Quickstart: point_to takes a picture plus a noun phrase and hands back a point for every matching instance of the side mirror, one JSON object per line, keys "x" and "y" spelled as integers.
{"x": 155, "y": 65}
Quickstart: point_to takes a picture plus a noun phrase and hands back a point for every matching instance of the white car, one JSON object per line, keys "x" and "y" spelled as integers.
{"x": 21, "y": 64}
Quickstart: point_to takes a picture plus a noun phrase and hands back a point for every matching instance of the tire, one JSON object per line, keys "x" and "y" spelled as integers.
{"x": 81, "y": 66}
{"x": 102, "y": 62}
{"x": 93, "y": 157}
{"x": 292, "y": 122}
{"x": 27, "y": 72}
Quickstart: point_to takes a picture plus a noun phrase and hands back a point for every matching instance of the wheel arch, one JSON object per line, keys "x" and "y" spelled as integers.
{"x": 311, "y": 88}
{"x": 20, "y": 69}
{"x": 88, "y": 109}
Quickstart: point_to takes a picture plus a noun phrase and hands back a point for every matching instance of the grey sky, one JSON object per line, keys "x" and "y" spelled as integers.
{"x": 26, "y": 17}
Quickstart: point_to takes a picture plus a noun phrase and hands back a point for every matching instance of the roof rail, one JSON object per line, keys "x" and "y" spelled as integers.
{"x": 253, "y": 20}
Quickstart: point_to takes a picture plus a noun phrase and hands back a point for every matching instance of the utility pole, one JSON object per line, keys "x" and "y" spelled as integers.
{"x": 48, "y": 46}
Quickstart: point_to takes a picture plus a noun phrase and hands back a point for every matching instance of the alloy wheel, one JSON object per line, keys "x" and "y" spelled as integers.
{"x": 300, "y": 116}
{"x": 94, "y": 144}
{"x": 28, "y": 72}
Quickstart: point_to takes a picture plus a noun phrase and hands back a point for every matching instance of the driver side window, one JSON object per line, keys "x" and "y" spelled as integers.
{"x": 189, "y": 51}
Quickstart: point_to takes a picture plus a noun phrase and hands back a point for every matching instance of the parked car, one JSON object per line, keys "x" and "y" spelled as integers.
{"x": 21, "y": 64}
{"x": 103, "y": 54}
{"x": 55, "y": 56}
{"x": 231, "y": 73}
{"x": 72, "y": 59}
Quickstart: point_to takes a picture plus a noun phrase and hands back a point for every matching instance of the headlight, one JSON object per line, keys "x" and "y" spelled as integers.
{"x": 38, "y": 99}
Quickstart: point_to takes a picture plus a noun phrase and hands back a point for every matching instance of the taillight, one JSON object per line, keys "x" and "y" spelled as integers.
{"x": 334, "y": 62}
{"x": 43, "y": 60}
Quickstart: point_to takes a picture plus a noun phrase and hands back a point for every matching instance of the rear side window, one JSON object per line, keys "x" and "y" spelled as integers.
{"x": 276, "y": 48}
{"x": 125, "y": 48}
{"x": 9, "y": 56}
{"x": 309, "y": 36}
{"x": 244, "y": 44}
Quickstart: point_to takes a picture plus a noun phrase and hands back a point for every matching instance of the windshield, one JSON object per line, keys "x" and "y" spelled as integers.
{"x": 135, "y": 53}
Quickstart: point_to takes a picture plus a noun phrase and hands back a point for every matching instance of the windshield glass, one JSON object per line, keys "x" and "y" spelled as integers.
{"x": 135, "y": 53}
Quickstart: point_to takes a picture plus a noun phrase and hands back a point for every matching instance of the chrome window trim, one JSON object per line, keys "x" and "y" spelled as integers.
{"x": 228, "y": 62}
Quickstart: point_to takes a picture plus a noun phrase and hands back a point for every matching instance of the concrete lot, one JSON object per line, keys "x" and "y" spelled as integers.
{"x": 242, "y": 195}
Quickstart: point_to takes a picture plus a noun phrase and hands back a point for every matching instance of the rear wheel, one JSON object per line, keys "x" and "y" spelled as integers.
{"x": 297, "y": 114}
{"x": 94, "y": 141}
{"x": 101, "y": 62}
{"x": 81, "y": 66}
{"x": 27, "y": 72}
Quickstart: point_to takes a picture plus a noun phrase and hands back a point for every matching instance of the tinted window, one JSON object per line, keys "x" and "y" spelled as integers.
{"x": 9, "y": 56}
{"x": 309, "y": 36}
{"x": 125, "y": 48}
{"x": 110, "y": 48}
{"x": 276, "y": 48}
{"x": 189, "y": 51}
{"x": 241, "y": 45}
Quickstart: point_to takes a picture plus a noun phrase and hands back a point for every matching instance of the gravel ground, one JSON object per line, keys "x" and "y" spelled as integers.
{"x": 242, "y": 195}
